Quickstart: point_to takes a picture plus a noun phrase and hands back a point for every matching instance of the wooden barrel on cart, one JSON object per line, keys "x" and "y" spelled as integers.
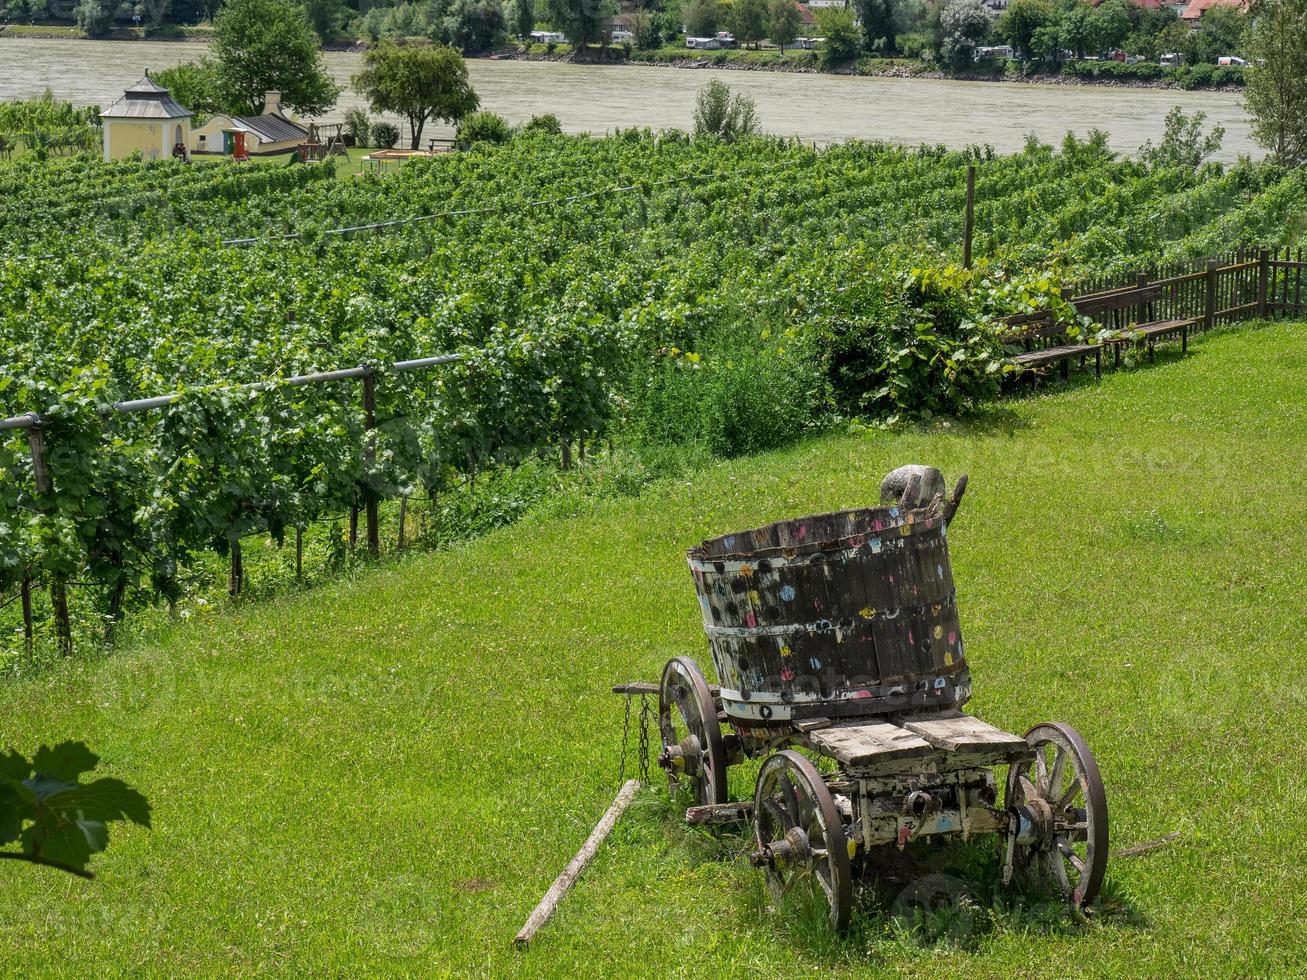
{"x": 837, "y": 615}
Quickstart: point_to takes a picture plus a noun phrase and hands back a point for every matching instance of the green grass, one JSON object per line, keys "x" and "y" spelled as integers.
{"x": 384, "y": 775}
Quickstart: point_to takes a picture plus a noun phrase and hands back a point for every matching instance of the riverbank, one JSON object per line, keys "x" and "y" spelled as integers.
{"x": 1108, "y": 74}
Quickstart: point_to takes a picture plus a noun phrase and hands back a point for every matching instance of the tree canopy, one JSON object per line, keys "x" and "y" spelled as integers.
{"x": 268, "y": 45}
{"x": 1276, "y": 95}
{"x": 418, "y": 83}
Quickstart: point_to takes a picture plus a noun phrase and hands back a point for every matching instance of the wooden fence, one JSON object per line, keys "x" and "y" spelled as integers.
{"x": 1240, "y": 285}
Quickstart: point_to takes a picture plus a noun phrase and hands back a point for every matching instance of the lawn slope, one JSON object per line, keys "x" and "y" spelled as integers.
{"x": 385, "y": 774}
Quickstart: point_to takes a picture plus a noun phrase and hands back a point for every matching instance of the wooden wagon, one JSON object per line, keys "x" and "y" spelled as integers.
{"x": 837, "y": 637}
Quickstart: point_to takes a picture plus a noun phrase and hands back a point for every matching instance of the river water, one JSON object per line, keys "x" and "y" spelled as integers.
{"x": 595, "y": 98}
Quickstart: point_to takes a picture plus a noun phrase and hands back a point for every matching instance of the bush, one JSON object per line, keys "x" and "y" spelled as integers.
{"x": 384, "y": 135}
{"x": 743, "y": 396}
{"x": 360, "y": 126}
{"x": 484, "y": 127}
{"x": 716, "y": 113}
{"x": 548, "y": 123}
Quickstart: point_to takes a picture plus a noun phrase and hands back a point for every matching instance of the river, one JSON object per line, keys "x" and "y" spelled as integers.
{"x": 595, "y": 98}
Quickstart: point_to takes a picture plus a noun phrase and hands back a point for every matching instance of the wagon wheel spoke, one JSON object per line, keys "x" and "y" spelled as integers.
{"x": 791, "y": 801}
{"x": 1054, "y": 783}
{"x": 1069, "y": 853}
{"x": 1064, "y": 801}
{"x": 1028, "y": 788}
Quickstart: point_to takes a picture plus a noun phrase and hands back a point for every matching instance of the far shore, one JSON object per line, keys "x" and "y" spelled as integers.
{"x": 689, "y": 62}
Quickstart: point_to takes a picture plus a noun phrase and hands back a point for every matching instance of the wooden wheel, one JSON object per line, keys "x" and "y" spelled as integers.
{"x": 1058, "y": 813}
{"x": 693, "y": 753}
{"x": 800, "y": 836}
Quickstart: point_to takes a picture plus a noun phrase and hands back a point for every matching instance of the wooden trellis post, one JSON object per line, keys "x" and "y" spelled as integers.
{"x": 370, "y": 454}
{"x": 58, "y": 592}
{"x": 969, "y": 225}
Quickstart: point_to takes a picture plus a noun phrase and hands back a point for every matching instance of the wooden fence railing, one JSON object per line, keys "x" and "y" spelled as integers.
{"x": 1237, "y": 286}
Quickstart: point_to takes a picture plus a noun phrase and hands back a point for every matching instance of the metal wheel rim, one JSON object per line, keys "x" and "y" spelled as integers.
{"x": 820, "y": 821}
{"x": 1066, "y": 776}
{"x": 684, "y": 692}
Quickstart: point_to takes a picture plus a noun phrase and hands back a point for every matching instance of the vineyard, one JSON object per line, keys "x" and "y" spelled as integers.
{"x": 638, "y": 286}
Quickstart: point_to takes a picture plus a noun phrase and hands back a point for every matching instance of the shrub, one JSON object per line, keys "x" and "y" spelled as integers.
{"x": 548, "y": 123}
{"x": 483, "y": 127}
{"x": 360, "y": 126}
{"x": 384, "y": 135}
{"x": 716, "y": 113}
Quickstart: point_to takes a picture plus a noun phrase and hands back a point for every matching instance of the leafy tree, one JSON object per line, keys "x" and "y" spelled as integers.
{"x": 702, "y": 17}
{"x": 783, "y": 21}
{"x": 717, "y": 113}
{"x": 1020, "y": 22}
{"x": 646, "y": 29}
{"x": 521, "y": 18}
{"x": 548, "y": 123}
{"x": 326, "y": 16}
{"x": 843, "y": 39}
{"x": 749, "y": 21}
{"x": 475, "y": 25}
{"x": 1276, "y": 93}
{"x": 266, "y": 45}
{"x": 878, "y": 23}
{"x": 1219, "y": 33}
{"x": 95, "y": 17}
{"x": 1109, "y": 25}
{"x": 418, "y": 84}
{"x": 384, "y": 135}
{"x": 192, "y": 83}
{"x": 963, "y": 24}
{"x": 1074, "y": 30}
{"x": 1184, "y": 144}
{"x": 57, "y": 820}
{"x": 583, "y": 21}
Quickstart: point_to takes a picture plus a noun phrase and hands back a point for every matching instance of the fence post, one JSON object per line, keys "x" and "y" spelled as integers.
{"x": 1209, "y": 307}
{"x": 1141, "y": 311}
{"x": 969, "y": 224}
{"x": 370, "y": 452}
{"x": 1263, "y": 280}
{"x": 236, "y": 576}
{"x": 29, "y": 632}
{"x": 58, "y": 592}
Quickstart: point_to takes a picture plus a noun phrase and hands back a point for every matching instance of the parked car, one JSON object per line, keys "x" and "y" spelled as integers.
{"x": 1172, "y": 60}
{"x": 620, "y": 36}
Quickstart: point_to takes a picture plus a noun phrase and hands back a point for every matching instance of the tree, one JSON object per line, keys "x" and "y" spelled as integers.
{"x": 522, "y": 18}
{"x": 1220, "y": 32}
{"x": 1074, "y": 29}
{"x": 878, "y": 23}
{"x": 701, "y": 17}
{"x": 843, "y": 39}
{"x": 1019, "y": 23}
{"x": 749, "y": 21}
{"x": 1184, "y": 144}
{"x": 1109, "y": 25}
{"x": 716, "y": 113}
{"x": 417, "y": 83}
{"x": 583, "y": 21}
{"x": 95, "y": 17}
{"x": 268, "y": 45}
{"x": 475, "y": 25}
{"x": 963, "y": 24}
{"x": 783, "y": 20}
{"x": 192, "y": 83}
{"x": 1276, "y": 93}
{"x": 326, "y": 16}
{"x": 646, "y": 29}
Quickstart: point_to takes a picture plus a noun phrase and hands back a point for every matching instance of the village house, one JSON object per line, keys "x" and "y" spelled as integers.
{"x": 274, "y": 131}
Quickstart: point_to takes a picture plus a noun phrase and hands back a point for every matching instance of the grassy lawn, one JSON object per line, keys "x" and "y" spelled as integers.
{"x": 384, "y": 775}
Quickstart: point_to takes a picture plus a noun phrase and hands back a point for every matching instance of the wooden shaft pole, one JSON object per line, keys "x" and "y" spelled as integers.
{"x": 969, "y": 226}
{"x": 540, "y": 915}
{"x": 299, "y": 553}
{"x": 1209, "y": 306}
{"x": 29, "y": 631}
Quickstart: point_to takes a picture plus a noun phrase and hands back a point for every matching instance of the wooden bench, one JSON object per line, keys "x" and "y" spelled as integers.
{"x": 1145, "y": 331}
{"x": 1039, "y": 333}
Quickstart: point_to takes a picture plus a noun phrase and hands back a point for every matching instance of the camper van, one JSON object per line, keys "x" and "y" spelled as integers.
{"x": 703, "y": 43}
